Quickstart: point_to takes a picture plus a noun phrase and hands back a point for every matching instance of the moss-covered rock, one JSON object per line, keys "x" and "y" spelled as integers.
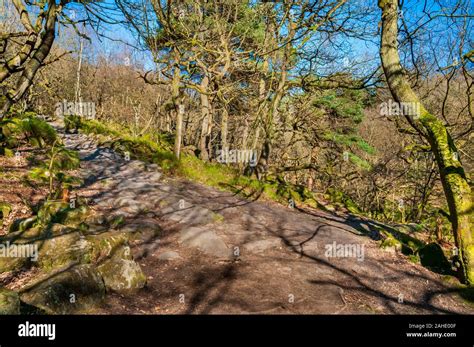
{"x": 15, "y": 259}
{"x": 66, "y": 246}
{"x": 73, "y": 217}
{"x": 121, "y": 273}
{"x": 8, "y": 264}
{"x": 9, "y": 302}
{"x": 22, "y": 224}
{"x": 69, "y": 290}
{"x": 142, "y": 231}
{"x": 72, "y": 123}
{"x": 339, "y": 198}
{"x": 104, "y": 245}
{"x": 395, "y": 240}
{"x": 49, "y": 209}
{"x": 60, "y": 212}
{"x": 63, "y": 250}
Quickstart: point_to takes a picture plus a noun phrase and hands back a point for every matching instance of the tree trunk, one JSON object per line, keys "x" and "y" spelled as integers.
{"x": 178, "y": 107}
{"x": 224, "y": 126}
{"x": 9, "y": 67}
{"x": 206, "y": 115}
{"x": 77, "y": 93}
{"x": 36, "y": 61}
{"x": 455, "y": 185}
{"x": 179, "y": 131}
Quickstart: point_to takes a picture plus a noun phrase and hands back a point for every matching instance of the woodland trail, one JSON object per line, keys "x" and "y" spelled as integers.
{"x": 210, "y": 251}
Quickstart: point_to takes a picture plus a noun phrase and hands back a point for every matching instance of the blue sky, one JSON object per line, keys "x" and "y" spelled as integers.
{"x": 352, "y": 50}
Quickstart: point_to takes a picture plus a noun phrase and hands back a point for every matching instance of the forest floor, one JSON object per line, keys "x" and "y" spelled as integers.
{"x": 216, "y": 252}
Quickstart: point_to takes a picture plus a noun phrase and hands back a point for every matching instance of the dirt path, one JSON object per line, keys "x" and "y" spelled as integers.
{"x": 208, "y": 251}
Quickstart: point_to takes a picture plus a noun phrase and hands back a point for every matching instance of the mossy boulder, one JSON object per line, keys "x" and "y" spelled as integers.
{"x": 395, "y": 240}
{"x": 8, "y": 264}
{"x": 63, "y": 250}
{"x": 27, "y": 223}
{"x": 72, "y": 123}
{"x": 14, "y": 259}
{"x": 69, "y": 290}
{"x": 53, "y": 211}
{"x": 432, "y": 256}
{"x": 351, "y": 206}
{"x": 73, "y": 247}
{"x": 121, "y": 273}
{"x": 142, "y": 231}
{"x": 9, "y": 302}
{"x": 49, "y": 209}
{"x": 73, "y": 217}
{"x": 103, "y": 246}
{"x": 24, "y": 236}
{"x": 340, "y": 199}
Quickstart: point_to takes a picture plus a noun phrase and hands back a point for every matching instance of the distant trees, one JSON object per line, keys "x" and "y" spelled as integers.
{"x": 234, "y": 57}
{"x": 199, "y": 48}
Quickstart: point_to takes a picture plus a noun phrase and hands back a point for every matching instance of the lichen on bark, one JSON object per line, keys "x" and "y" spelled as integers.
{"x": 456, "y": 187}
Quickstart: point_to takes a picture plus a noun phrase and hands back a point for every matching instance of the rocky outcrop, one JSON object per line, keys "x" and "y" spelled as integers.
{"x": 69, "y": 290}
{"x": 121, "y": 273}
{"x": 77, "y": 266}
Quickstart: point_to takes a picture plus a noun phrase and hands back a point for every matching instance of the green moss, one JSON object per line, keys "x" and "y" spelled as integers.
{"x": 49, "y": 209}
{"x": 351, "y": 206}
{"x": 212, "y": 174}
{"x": 391, "y": 242}
{"x": 338, "y": 197}
{"x": 64, "y": 250}
{"x": 120, "y": 273}
{"x": 9, "y": 302}
{"x": 414, "y": 258}
{"x": 9, "y": 153}
{"x": 105, "y": 244}
{"x": 74, "y": 217}
{"x": 117, "y": 222}
{"x": 8, "y": 264}
{"x": 397, "y": 239}
{"x": 218, "y": 218}
{"x": 5, "y": 209}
